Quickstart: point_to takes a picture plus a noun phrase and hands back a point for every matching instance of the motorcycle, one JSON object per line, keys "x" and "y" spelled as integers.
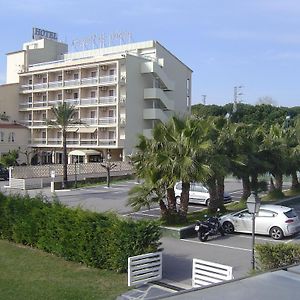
{"x": 211, "y": 226}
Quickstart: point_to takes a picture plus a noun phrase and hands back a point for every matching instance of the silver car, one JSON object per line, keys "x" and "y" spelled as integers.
{"x": 198, "y": 193}
{"x": 274, "y": 220}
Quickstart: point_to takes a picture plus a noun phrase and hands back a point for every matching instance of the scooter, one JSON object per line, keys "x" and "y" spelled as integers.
{"x": 211, "y": 226}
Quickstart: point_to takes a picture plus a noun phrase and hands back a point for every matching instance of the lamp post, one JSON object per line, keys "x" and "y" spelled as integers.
{"x": 253, "y": 204}
{"x": 75, "y": 165}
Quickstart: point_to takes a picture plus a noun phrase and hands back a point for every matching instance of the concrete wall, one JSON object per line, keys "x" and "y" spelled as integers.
{"x": 9, "y": 101}
{"x": 15, "y": 64}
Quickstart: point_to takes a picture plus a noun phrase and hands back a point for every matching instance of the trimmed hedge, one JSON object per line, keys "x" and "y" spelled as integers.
{"x": 101, "y": 240}
{"x": 273, "y": 256}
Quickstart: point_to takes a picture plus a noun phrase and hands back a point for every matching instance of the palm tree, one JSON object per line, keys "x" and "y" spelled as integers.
{"x": 63, "y": 114}
{"x": 176, "y": 152}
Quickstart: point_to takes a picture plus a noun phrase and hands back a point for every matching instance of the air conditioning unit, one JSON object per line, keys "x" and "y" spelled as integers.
{"x": 104, "y": 68}
{"x": 39, "y": 75}
{"x": 103, "y": 88}
{"x": 69, "y": 91}
{"x": 68, "y": 72}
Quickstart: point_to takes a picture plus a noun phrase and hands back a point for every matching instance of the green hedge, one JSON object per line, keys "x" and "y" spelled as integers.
{"x": 101, "y": 240}
{"x": 272, "y": 256}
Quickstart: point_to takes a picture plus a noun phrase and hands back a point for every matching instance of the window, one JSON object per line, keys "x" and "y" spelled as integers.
{"x": 111, "y": 135}
{"x": 75, "y": 95}
{"x": 76, "y": 76}
{"x": 1, "y": 136}
{"x": 44, "y": 79}
{"x": 93, "y": 114}
{"x": 43, "y": 134}
{"x": 44, "y": 97}
{"x": 266, "y": 213}
{"x": 93, "y": 94}
{"x": 290, "y": 214}
{"x": 44, "y": 116}
{"x": 111, "y": 93}
{"x": 11, "y": 137}
{"x": 93, "y": 74}
{"x": 112, "y": 72}
{"x": 59, "y": 78}
{"x": 30, "y": 116}
{"x": 111, "y": 113}
{"x": 29, "y": 81}
{"x": 59, "y": 96}
{"x": 30, "y": 99}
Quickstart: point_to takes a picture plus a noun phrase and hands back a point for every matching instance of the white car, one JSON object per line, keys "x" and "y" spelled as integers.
{"x": 273, "y": 220}
{"x": 198, "y": 193}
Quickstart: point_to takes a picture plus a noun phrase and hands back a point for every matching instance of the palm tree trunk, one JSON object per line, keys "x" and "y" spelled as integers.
{"x": 246, "y": 187}
{"x": 163, "y": 209}
{"x": 254, "y": 182}
{"x": 213, "y": 193}
{"x": 184, "y": 200}
{"x": 171, "y": 200}
{"x": 220, "y": 191}
{"x": 278, "y": 182}
{"x": 64, "y": 160}
{"x": 295, "y": 181}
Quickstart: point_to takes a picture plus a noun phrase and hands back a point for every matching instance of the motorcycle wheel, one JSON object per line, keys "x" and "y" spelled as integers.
{"x": 202, "y": 237}
{"x": 221, "y": 230}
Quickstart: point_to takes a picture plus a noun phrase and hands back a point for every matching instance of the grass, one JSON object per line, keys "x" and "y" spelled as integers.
{"x": 27, "y": 273}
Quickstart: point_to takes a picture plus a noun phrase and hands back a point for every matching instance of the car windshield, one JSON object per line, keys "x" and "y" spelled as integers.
{"x": 290, "y": 214}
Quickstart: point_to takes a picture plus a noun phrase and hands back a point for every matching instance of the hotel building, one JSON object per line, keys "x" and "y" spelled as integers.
{"x": 118, "y": 92}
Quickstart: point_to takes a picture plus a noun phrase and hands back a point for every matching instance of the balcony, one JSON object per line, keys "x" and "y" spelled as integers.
{"x": 108, "y": 100}
{"x": 26, "y": 87}
{"x": 38, "y": 141}
{"x": 88, "y": 101}
{"x": 72, "y": 101}
{"x": 54, "y": 102}
{"x": 155, "y": 114}
{"x": 88, "y": 142}
{"x": 89, "y": 81}
{"x": 40, "y": 86}
{"x": 55, "y": 84}
{"x": 107, "y": 142}
{"x": 158, "y": 72}
{"x": 74, "y": 82}
{"x": 25, "y": 105}
{"x": 155, "y": 93}
{"x": 108, "y": 79}
{"x": 90, "y": 121}
{"x": 107, "y": 121}
{"x": 39, "y": 103}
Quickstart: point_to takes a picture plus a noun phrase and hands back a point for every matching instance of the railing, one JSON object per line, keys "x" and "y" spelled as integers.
{"x": 104, "y": 142}
{"x": 39, "y": 103}
{"x": 39, "y": 86}
{"x": 89, "y": 81}
{"x": 107, "y": 79}
{"x": 107, "y": 121}
{"x": 38, "y": 123}
{"x": 26, "y": 87}
{"x": 54, "y": 84}
{"x": 73, "y": 101}
{"x": 73, "y": 82}
{"x": 38, "y": 141}
{"x": 90, "y": 121}
{"x": 108, "y": 100}
{"x": 23, "y": 105}
{"x": 88, "y": 101}
{"x": 54, "y": 102}
{"x": 88, "y": 142}
{"x": 54, "y": 141}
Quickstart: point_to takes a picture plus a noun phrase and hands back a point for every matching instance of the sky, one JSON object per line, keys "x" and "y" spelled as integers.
{"x": 250, "y": 43}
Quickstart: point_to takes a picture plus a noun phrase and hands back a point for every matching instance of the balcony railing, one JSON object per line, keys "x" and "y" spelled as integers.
{"x": 88, "y": 142}
{"x": 88, "y": 101}
{"x": 107, "y": 121}
{"x": 108, "y": 100}
{"x": 39, "y": 103}
{"x": 54, "y": 102}
{"x": 104, "y": 142}
{"x": 90, "y": 121}
{"x": 38, "y": 141}
{"x": 72, "y": 101}
{"x": 69, "y": 83}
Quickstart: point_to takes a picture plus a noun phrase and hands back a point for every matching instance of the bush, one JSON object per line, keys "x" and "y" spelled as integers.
{"x": 272, "y": 256}
{"x": 97, "y": 240}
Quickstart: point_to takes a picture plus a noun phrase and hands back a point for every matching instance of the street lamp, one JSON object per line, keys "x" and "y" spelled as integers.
{"x": 253, "y": 204}
{"x": 75, "y": 165}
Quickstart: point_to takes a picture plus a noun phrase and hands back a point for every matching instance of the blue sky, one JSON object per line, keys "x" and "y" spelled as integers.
{"x": 227, "y": 43}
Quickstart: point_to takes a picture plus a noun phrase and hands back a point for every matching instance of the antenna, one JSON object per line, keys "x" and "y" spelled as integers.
{"x": 204, "y": 99}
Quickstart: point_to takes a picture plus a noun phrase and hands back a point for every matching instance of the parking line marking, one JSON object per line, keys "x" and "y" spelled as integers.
{"x": 259, "y": 238}
{"x": 218, "y": 245}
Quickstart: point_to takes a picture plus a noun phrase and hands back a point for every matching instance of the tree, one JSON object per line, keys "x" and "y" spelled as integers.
{"x": 9, "y": 159}
{"x": 63, "y": 114}
{"x": 176, "y": 152}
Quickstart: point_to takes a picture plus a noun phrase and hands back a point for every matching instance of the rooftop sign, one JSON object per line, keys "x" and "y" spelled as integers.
{"x": 38, "y": 34}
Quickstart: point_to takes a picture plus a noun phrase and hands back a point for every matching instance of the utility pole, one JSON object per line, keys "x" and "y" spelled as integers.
{"x": 236, "y": 97}
{"x": 204, "y": 99}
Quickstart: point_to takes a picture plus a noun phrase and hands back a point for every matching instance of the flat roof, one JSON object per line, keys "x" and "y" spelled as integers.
{"x": 276, "y": 285}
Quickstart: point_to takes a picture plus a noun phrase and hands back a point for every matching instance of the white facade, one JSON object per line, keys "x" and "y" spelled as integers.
{"x": 118, "y": 92}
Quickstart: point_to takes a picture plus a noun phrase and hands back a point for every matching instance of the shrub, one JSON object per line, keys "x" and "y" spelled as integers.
{"x": 97, "y": 240}
{"x": 272, "y": 256}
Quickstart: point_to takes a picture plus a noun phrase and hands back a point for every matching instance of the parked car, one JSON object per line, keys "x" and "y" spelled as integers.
{"x": 273, "y": 220}
{"x": 3, "y": 173}
{"x": 198, "y": 193}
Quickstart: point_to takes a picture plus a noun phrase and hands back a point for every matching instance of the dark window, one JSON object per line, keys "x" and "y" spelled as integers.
{"x": 290, "y": 214}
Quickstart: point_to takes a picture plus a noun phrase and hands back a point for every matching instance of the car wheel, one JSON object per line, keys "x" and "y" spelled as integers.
{"x": 228, "y": 227}
{"x": 207, "y": 202}
{"x": 276, "y": 233}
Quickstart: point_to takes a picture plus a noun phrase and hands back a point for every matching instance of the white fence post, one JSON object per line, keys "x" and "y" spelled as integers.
{"x": 144, "y": 268}
{"x": 206, "y": 273}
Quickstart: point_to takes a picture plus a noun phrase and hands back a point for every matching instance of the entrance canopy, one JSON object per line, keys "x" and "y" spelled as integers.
{"x": 83, "y": 152}
{"x": 84, "y": 156}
